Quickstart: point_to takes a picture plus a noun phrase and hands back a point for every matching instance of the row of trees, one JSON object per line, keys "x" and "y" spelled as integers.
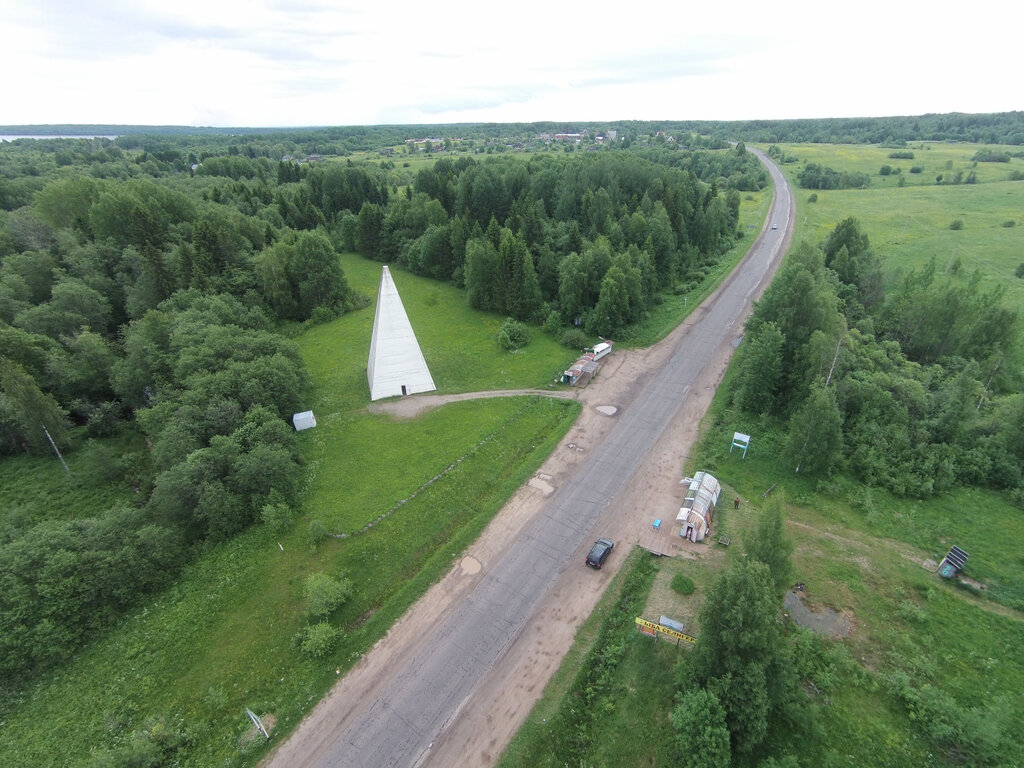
{"x": 817, "y": 176}
{"x": 982, "y": 128}
{"x": 913, "y": 389}
{"x": 740, "y": 682}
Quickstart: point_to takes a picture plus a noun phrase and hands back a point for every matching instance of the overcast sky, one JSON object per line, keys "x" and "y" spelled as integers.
{"x": 316, "y": 62}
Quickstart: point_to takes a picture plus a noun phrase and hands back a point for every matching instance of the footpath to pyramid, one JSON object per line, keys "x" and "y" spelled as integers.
{"x": 396, "y": 365}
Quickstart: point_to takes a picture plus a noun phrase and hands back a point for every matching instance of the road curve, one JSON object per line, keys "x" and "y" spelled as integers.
{"x": 426, "y": 689}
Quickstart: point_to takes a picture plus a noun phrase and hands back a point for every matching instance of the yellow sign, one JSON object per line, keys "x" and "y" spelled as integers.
{"x": 648, "y": 627}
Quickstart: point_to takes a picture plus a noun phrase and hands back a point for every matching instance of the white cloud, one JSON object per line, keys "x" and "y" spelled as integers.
{"x": 272, "y": 62}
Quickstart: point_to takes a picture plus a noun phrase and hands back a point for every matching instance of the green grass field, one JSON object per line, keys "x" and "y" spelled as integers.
{"x": 864, "y": 562}
{"x": 909, "y": 226}
{"x": 221, "y": 639}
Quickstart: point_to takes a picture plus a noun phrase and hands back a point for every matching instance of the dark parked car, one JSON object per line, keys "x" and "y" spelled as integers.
{"x": 599, "y": 552}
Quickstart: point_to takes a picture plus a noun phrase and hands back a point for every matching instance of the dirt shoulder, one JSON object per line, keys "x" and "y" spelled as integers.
{"x": 492, "y": 715}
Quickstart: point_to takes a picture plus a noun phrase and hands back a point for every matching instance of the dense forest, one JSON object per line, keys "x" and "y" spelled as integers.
{"x": 994, "y": 128}
{"x": 148, "y": 287}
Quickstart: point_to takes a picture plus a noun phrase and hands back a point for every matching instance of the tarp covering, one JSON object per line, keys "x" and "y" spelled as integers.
{"x": 304, "y": 420}
{"x": 396, "y": 365}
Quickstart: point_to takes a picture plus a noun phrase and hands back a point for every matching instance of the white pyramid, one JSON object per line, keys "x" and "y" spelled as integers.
{"x": 396, "y": 365}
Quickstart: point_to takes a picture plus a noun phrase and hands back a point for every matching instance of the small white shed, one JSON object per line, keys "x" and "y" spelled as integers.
{"x": 304, "y": 420}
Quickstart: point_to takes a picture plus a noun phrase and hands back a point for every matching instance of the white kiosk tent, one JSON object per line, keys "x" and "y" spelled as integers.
{"x": 694, "y": 516}
{"x": 396, "y": 365}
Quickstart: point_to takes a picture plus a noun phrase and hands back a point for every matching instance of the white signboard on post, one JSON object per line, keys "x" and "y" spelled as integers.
{"x": 739, "y": 440}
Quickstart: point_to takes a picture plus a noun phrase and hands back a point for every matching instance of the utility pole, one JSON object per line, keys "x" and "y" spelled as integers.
{"x": 839, "y": 345}
{"x": 55, "y": 449}
{"x": 987, "y": 384}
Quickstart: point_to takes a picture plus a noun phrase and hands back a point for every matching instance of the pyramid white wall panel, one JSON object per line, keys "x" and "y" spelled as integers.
{"x": 396, "y": 365}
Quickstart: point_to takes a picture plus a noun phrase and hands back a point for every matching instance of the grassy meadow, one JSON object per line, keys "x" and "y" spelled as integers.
{"x": 921, "y": 652}
{"x": 910, "y": 225}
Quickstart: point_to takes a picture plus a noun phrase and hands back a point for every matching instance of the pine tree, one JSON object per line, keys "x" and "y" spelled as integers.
{"x": 769, "y": 544}
{"x": 740, "y": 656}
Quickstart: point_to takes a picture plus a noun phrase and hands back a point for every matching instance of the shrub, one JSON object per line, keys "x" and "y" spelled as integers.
{"x": 104, "y": 419}
{"x": 100, "y": 462}
{"x": 683, "y": 584}
{"x": 513, "y": 335}
{"x": 276, "y": 516}
{"x": 574, "y": 338}
{"x": 815, "y": 176}
{"x": 325, "y": 593}
{"x": 956, "y": 224}
{"x": 1009, "y": 223}
{"x": 916, "y": 169}
{"x": 317, "y": 533}
{"x": 319, "y": 639}
{"x": 322, "y": 314}
{"x": 1019, "y": 272}
{"x": 885, "y": 170}
{"x": 903, "y": 154}
{"x": 991, "y": 156}
{"x": 553, "y": 322}
{"x": 813, "y": 198}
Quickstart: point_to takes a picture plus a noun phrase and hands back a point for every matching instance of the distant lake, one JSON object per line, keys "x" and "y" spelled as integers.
{"x": 12, "y": 137}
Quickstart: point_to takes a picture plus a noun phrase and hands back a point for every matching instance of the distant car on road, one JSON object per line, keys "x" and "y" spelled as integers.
{"x": 775, "y": 226}
{"x": 599, "y": 552}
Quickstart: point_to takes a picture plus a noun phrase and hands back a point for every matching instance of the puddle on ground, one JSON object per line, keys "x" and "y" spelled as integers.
{"x": 824, "y": 621}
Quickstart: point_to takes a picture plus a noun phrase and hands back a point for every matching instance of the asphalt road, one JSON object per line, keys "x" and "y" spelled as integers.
{"x": 408, "y": 713}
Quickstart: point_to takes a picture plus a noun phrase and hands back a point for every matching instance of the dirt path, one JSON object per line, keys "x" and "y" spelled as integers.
{"x": 411, "y": 407}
